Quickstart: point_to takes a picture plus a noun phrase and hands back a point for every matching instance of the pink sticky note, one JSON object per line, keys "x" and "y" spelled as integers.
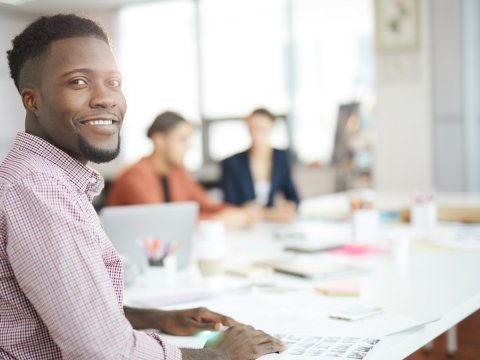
{"x": 357, "y": 249}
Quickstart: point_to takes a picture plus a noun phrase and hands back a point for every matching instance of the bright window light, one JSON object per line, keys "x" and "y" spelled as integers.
{"x": 158, "y": 59}
{"x": 334, "y": 64}
{"x": 246, "y": 56}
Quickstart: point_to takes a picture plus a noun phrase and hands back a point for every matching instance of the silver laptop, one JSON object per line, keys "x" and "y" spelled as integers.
{"x": 128, "y": 227}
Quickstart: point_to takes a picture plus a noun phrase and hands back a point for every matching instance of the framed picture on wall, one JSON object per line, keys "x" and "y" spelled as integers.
{"x": 397, "y": 24}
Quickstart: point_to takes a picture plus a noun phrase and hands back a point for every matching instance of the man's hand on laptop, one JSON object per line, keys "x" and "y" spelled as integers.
{"x": 243, "y": 342}
{"x": 234, "y": 341}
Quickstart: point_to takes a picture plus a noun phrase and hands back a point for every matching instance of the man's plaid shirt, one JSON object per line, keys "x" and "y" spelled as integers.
{"x": 61, "y": 280}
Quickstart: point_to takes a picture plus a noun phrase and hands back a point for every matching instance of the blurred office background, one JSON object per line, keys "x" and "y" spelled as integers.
{"x": 368, "y": 93}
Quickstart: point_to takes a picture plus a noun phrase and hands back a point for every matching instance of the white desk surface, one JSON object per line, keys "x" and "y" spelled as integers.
{"x": 433, "y": 283}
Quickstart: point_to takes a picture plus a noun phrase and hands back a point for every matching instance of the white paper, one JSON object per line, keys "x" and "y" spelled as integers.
{"x": 456, "y": 237}
{"x": 303, "y": 313}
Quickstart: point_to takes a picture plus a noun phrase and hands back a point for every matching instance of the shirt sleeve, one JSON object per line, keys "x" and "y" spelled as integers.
{"x": 131, "y": 188}
{"x": 57, "y": 261}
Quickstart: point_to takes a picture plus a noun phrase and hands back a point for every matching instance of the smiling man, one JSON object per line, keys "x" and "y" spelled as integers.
{"x": 61, "y": 280}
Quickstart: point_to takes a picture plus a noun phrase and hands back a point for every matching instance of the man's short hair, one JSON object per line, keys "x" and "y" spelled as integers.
{"x": 165, "y": 122}
{"x": 34, "y": 41}
{"x": 263, "y": 112}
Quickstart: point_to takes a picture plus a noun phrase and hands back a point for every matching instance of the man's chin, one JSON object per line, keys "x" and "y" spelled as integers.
{"x": 102, "y": 157}
{"x": 98, "y": 155}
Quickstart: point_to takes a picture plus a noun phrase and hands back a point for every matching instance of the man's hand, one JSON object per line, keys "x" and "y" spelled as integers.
{"x": 244, "y": 342}
{"x": 239, "y": 342}
{"x": 177, "y": 322}
{"x": 190, "y": 321}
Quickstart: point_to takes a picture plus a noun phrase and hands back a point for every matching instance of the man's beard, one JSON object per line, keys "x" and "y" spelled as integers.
{"x": 97, "y": 155}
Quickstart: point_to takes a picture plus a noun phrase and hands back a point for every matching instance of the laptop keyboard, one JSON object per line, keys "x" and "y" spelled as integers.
{"x": 334, "y": 347}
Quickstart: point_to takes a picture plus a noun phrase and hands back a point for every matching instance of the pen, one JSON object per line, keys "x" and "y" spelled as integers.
{"x": 338, "y": 293}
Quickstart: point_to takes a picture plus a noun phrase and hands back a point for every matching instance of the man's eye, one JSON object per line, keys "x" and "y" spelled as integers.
{"x": 78, "y": 82}
{"x": 115, "y": 83}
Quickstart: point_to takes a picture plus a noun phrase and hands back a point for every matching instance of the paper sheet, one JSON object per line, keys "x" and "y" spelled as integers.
{"x": 304, "y": 313}
{"x": 456, "y": 237}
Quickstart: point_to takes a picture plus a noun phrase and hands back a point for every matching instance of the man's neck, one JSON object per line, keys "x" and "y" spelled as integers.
{"x": 162, "y": 168}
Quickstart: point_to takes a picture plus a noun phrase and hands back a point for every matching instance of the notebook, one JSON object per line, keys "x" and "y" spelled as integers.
{"x": 172, "y": 223}
{"x": 308, "y": 247}
{"x": 309, "y": 267}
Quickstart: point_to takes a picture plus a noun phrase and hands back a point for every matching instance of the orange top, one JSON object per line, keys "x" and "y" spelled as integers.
{"x": 139, "y": 184}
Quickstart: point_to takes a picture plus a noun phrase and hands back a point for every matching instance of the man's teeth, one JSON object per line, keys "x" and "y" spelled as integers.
{"x": 99, "y": 122}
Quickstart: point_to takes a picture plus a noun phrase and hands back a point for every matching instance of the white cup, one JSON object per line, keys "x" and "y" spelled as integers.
{"x": 424, "y": 216}
{"x": 211, "y": 247}
{"x": 154, "y": 277}
{"x": 399, "y": 248}
{"x": 170, "y": 264}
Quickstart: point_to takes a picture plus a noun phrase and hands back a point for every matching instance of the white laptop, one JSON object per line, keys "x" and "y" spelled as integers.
{"x": 128, "y": 226}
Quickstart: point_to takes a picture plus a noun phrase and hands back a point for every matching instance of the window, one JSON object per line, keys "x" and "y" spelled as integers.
{"x": 243, "y": 47}
{"x": 301, "y": 58}
{"x": 334, "y": 64}
{"x": 158, "y": 59}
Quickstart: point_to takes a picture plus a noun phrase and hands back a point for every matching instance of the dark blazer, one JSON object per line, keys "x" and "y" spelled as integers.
{"x": 237, "y": 181}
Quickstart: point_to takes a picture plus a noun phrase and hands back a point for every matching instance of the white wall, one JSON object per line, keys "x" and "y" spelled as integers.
{"x": 471, "y": 83}
{"x": 448, "y": 95}
{"x": 403, "y": 116}
{"x": 12, "y": 116}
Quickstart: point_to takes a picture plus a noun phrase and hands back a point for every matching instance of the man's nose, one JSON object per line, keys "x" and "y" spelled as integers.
{"x": 103, "y": 97}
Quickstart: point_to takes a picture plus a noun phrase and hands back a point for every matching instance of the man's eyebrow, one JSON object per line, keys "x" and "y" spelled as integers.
{"x": 86, "y": 71}
{"x": 81, "y": 70}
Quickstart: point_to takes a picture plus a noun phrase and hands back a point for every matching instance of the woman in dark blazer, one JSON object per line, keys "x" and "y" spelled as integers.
{"x": 261, "y": 173}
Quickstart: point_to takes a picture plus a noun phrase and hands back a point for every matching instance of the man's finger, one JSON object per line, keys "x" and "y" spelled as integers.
{"x": 206, "y": 325}
{"x": 263, "y": 338}
{"x": 228, "y": 321}
{"x": 216, "y": 317}
{"x": 270, "y": 347}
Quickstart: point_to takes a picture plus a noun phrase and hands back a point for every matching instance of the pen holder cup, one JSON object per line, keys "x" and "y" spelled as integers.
{"x": 161, "y": 272}
{"x": 423, "y": 216}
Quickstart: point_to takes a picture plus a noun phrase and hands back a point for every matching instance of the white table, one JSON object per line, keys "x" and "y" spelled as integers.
{"x": 433, "y": 283}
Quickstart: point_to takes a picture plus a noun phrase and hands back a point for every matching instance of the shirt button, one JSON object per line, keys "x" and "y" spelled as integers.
{"x": 92, "y": 180}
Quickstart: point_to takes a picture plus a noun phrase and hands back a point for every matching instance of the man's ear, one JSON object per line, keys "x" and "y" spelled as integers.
{"x": 31, "y": 100}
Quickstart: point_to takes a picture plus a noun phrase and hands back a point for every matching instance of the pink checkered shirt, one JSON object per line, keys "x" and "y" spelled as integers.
{"x": 61, "y": 281}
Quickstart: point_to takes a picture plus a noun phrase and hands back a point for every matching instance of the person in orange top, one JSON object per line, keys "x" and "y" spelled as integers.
{"x": 161, "y": 177}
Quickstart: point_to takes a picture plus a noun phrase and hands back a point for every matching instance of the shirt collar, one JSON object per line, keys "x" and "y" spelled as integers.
{"x": 83, "y": 177}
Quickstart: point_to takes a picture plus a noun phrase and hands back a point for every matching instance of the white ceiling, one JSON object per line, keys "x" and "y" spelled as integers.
{"x": 48, "y": 6}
